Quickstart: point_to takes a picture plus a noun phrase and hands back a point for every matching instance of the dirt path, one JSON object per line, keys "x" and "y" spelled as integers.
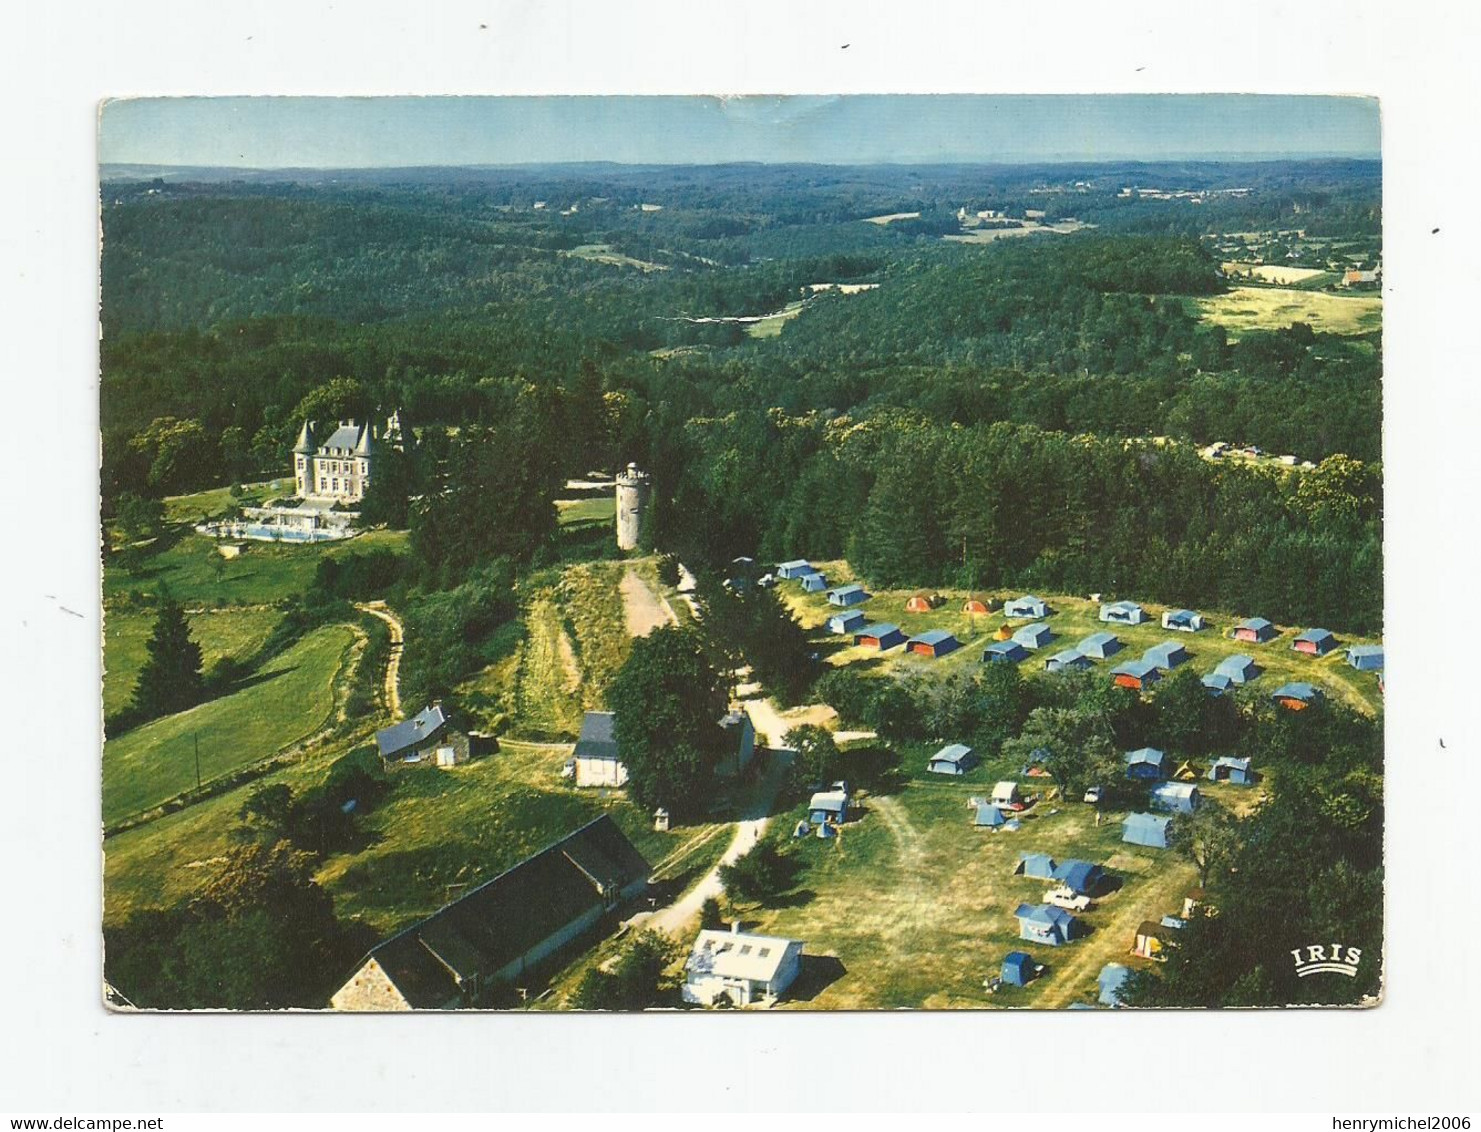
{"x": 644, "y": 609}
{"x": 393, "y": 661}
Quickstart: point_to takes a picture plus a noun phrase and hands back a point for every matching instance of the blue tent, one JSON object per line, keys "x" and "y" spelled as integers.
{"x": 1046, "y": 924}
{"x": 881, "y": 635}
{"x": 1366, "y": 658}
{"x": 1066, "y": 660}
{"x": 1112, "y": 978}
{"x": 1185, "y": 620}
{"x": 1039, "y": 865}
{"x": 1240, "y": 669}
{"x": 848, "y": 595}
{"x": 1034, "y": 636}
{"x": 1100, "y": 646}
{"x": 989, "y": 816}
{"x": 845, "y": 623}
{"x": 814, "y": 583}
{"x": 1144, "y": 763}
{"x": 1136, "y": 673}
{"x": 957, "y": 758}
{"x": 1123, "y": 613}
{"x": 1146, "y": 829}
{"x": 1179, "y": 797}
{"x": 1080, "y": 877}
{"x": 1217, "y": 683}
{"x": 934, "y": 642}
{"x": 1018, "y": 968}
{"x": 1254, "y": 629}
{"x": 1004, "y": 652}
{"x": 1226, "y": 768}
{"x": 1169, "y": 654}
{"x": 794, "y": 569}
{"x": 1026, "y": 606}
{"x": 1319, "y": 642}
{"x": 1296, "y": 694}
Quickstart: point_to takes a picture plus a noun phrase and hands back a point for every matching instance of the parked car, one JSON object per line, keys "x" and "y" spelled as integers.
{"x": 1093, "y": 795}
{"x": 1063, "y": 897}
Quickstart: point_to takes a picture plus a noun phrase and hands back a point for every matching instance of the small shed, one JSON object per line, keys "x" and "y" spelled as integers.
{"x": 1038, "y": 865}
{"x": 1150, "y": 830}
{"x": 1123, "y": 613}
{"x": 1227, "y": 768}
{"x": 1026, "y": 606}
{"x": 1111, "y": 979}
{"x": 846, "y": 623}
{"x": 1366, "y": 658}
{"x": 936, "y": 643}
{"x": 794, "y": 569}
{"x": 1019, "y": 969}
{"x": 1146, "y": 763}
{"x": 1066, "y": 660}
{"x": 1034, "y": 636}
{"x": 1178, "y": 797}
{"x": 828, "y": 805}
{"x": 1137, "y": 674}
{"x": 1046, "y": 924}
{"x": 882, "y": 636}
{"x": 1297, "y": 696}
{"x": 814, "y": 583}
{"x": 1240, "y": 668}
{"x": 1080, "y": 877}
{"x": 1183, "y": 620}
{"x": 1315, "y": 642}
{"x": 1167, "y": 655}
{"x": 853, "y": 594}
{"x": 1006, "y": 794}
{"x": 1004, "y": 652}
{"x": 955, "y": 758}
{"x": 1255, "y": 629}
{"x": 1099, "y": 646}
{"x": 989, "y": 817}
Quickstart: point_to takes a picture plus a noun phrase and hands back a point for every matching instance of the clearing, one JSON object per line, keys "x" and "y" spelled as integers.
{"x": 643, "y": 608}
{"x": 891, "y": 217}
{"x": 603, "y": 253}
{"x": 1275, "y": 308}
{"x": 1029, "y": 228}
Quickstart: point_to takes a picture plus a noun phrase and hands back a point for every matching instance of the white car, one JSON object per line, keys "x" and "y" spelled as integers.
{"x": 1063, "y": 897}
{"x": 1093, "y": 795}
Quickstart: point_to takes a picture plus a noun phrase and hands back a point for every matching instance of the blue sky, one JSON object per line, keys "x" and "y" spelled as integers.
{"x": 269, "y": 133}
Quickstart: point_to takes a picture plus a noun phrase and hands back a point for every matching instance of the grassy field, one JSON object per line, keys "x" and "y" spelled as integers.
{"x": 1074, "y": 619}
{"x": 603, "y": 253}
{"x": 196, "y": 574}
{"x": 292, "y": 698}
{"x": 1278, "y": 274}
{"x": 1274, "y": 308}
{"x": 228, "y": 632}
{"x": 548, "y": 696}
{"x": 202, "y": 505}
{"x": 601, "y": 511}
{"x": 771, "y": 325}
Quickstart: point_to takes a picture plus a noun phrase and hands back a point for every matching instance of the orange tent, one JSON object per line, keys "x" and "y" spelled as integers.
{"x": 974, "y": 606}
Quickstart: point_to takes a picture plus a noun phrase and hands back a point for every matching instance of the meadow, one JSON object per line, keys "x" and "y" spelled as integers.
{"x": 1243, "y": 309}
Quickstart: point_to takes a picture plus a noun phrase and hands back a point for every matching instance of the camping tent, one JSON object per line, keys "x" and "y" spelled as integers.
{"x": 1080, "y": 877}
{"x": 1112, "y": 978}
{"x": 844, "y": 623}
{"x": 1317, "y": 642}
{"x": 1004, "y": 652}
{"x": 1146, "y": 762}
{"x": 1184, "y": 620}
{"x": 1179, "y": 797}
{"x": 1034, "y": 636}
{"x": 1026, "y": 606}
{"x": 1018, "y": 968}
{"x": 1039, "y": 865}
{"x": 1123, "y": 613}
{"x": 1240, "y": 669}
{"x": 1366, "y": 658}
{"x": 1099, "y": 646}
{"x": 956, "y": 758}
{"x": 1226, "y": 768}
{"x": 1150, "y": 830}
{"x": 1167, "y": 655}
{"x": 1065, "y": 660}
{"x": 988, "y": 816}
{"x": 1046, "y": 924}
{"x": 814, "y": 583}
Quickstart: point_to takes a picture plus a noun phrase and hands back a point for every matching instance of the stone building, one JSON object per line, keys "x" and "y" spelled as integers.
{"x": 633, "y": 488}
{"x": 337, "y": 465}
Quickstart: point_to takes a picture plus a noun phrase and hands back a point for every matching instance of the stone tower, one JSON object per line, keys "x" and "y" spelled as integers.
{"x": 632, "y": 502}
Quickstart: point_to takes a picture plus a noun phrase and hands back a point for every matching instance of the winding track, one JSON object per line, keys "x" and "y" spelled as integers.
{"x": 393, "y": 662}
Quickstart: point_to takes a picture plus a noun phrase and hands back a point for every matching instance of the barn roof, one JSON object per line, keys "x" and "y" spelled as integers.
{"x": 409, "y": 732}
{"x": 598, "y": 736}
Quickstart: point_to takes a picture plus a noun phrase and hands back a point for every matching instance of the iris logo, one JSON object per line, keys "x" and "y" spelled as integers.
{"x": 1321, "y": 958}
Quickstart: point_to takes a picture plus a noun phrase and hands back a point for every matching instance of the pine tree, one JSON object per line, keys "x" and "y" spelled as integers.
{"x": 170, "y": 680}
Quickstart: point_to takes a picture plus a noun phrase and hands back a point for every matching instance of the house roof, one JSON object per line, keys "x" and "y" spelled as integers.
{"x": 409, "y": 732}
{"x": 598, "y": 736}
{"x": 933, "y": 637}
{"x": 347, "y": 436}
{"x": 739, "y": 955}
{"x": 305, "y": 444}
{"x": 505, "y": 917}
{"x": 952, "y": 753}
{"x": 1316, "y": 636}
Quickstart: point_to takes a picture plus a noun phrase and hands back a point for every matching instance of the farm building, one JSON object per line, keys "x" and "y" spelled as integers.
{"x": 1137, "y": 674}
{"x": 814, "y": 583}
{"x": 957, "y": 758}
{"x": 1034, "y": 636}
{"x": 1019, "y": 969}
{"x": 1297, "y": 696}
{"x": 1066, "y": 660}
{"x": 1183, "y": 620}
{"x": 427, "y": 737}
{"x": 1316, "y": 642}
{"x": 989, "y": 817}
{"x": 924, "y": 602}
{"x": 1006, "y": 794}
{"x": 846, "y": 623}
{"x": 1039, "y": 865}
{"x": 1179, "y": 797}
{"x": 1080, "y": 877}
{"x": 597, "y": 763}
{"x": 1099, "y": 646}
{"x": 1366, "y": 658}
{"x": 977, "y": 605}
{"x": 1123, "y": 613}
{"x": 1146, "y": 829}
{"x": 1026, "y": 606}
{"x": 1146, "y": 762}
{"x": 1239, "y": 668}
{"x": 501, "y": 928}
{"x": 829, "y": 805}
{"x": 1004, "y": 652}
{"x": 1226, "y": 768}
{"x": 1255, "y": 629}
{"x": 1152, "y": 939}
{"x": 1168, "y": 655}
{"x": 848, "y": 595}
{"x": 1046, "y": 924}
{"x": 741, "y": 967}
{"x": 1217, "y": 683}
{"x": 794, "y": 569}
{"x": 1111, "y": 979}
{"x": 936, "y": 643}
{"x": 880, "y": 636}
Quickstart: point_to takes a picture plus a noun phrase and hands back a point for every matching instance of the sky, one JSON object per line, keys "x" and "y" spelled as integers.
{"x": 344, "y": 133}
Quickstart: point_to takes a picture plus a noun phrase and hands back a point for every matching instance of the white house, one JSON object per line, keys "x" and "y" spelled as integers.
{"x": 597, "y": 763}
{"x": 747, "y": 969}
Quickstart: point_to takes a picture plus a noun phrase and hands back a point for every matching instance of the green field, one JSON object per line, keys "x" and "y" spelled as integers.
{"x": 1275, "y": 308}
{"x": 771, "y": 325}
{"x": 603, "y": 253}
{"x": 1074, "y": 619}
{"x": 236, "y": 633}
{"x": 202, "y": 505}
{"x": 290, "y": 699}
{"x": 600, "y": 511}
